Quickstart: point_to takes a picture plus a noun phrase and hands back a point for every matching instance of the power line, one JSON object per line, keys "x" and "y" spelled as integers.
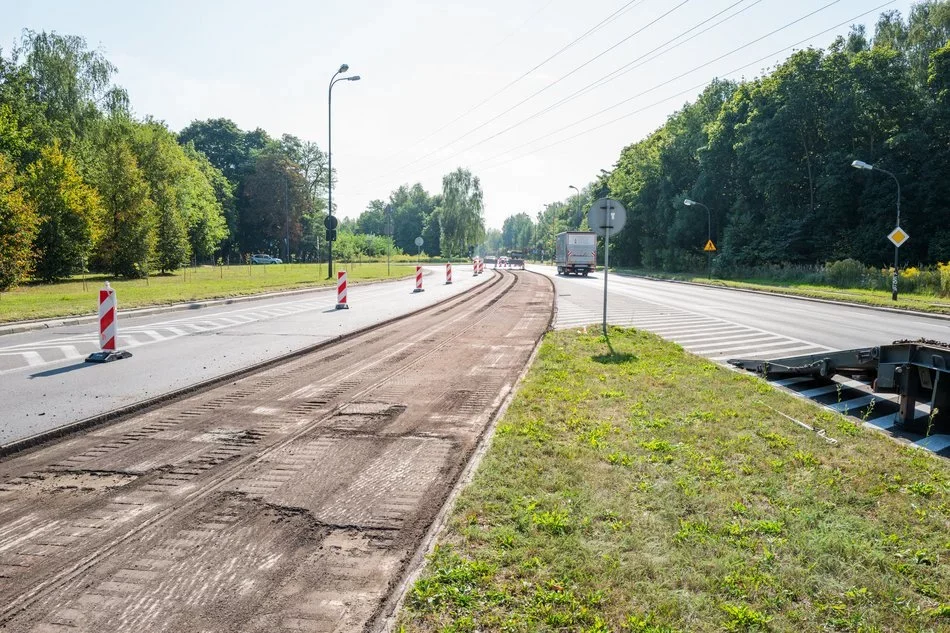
{"x": 656, "y": 103}
{"x": 610, "y": 18}
{"x": 640, "y": 94}
{"x": 533, "y": 95}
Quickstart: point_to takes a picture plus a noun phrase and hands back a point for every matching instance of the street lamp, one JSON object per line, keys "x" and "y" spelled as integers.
{"x": 690, "y": 203}
{"x": 860, "y": 164}
{"x": 333, "y": 81}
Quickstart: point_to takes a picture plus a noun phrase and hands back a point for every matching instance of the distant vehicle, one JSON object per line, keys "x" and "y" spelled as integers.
{"x": 491, "y": 259}
{"x": 265, "y": 259}
{"x": 575, "y": 253}
{"x": 516, "y": 259}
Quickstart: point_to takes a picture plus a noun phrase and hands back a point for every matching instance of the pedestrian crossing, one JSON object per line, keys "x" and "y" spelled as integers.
{"x": 719, "y": 340}
{"x": 74, "y": 347}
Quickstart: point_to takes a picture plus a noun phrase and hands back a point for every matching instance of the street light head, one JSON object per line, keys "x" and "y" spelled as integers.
{"x": 353, "y": 78}
{"x": 574, "y": 188}
{"x": 860, "y": 164}
{"x": 343, "y": 68}
{"x": 688, "y": 202}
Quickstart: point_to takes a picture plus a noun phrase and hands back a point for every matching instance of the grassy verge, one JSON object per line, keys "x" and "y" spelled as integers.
{"x": 42, "y": 301}
{"x": 920, "y": 302}
{"x": 649, "y": 490}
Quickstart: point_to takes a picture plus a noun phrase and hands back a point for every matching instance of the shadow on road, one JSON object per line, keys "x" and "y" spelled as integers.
{"x": 61, "y": 370}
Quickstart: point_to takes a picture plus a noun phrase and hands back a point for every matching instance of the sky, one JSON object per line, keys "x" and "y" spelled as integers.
{"x": 512, "y": 90}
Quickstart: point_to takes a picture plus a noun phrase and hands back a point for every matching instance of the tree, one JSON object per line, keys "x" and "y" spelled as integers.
{"x": 227, "y": 147}
{"x": 461, "y": 220}
{"x": 518, "y": 232}
{"x": 18, "y": 223}
{"x": 273, "y": 201}
{"x": 70, "y": 214}
{"x": 210, "y": 206}
{"x": 164, "y": 167}
{"x": 128, "y": 241}
{"x": 71, "y": 82}
{"x": 373, "y": 220}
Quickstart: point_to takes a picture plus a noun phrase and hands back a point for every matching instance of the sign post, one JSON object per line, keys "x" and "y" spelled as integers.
{"x": 897, "y": 237}
{"x": 710, "y": 248}
{"x": 606, "y": 217}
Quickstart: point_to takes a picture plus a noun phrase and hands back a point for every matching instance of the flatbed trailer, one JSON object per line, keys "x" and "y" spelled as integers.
{"x": 915, "y": 370}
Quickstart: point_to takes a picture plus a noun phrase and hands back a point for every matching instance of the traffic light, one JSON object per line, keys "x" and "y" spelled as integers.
{"x": 331, "y": 235}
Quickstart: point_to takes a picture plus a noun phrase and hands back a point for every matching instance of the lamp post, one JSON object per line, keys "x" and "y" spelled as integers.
{"x": 858, "y": 164}
{"x": 333, "y": 81}
{"x": 690, "y": 203}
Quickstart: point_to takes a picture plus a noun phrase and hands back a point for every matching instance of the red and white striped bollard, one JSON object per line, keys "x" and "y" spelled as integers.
{"x": 341, "y": 303}
{"x": 108, "y": 329}
{"x": 448, "y": 273}
{"x": 418, "y": 279}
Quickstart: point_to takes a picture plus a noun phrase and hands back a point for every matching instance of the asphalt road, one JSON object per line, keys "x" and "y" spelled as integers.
{"x": 45, "y": 383}
{"x": 657, "y": 305}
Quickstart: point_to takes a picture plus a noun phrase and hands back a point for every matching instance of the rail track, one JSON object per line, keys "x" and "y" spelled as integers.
{"x": 289, "y": 499}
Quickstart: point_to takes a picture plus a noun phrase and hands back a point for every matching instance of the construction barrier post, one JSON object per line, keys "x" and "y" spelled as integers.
{"x": 448, "y": 273}
{"x": 341, "y": 303}
{"x": 108, "y": 329}
{"x": 418, "y": 279}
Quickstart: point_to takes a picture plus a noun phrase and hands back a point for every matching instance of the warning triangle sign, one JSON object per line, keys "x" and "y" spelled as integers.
{"x": 710, "y": 247}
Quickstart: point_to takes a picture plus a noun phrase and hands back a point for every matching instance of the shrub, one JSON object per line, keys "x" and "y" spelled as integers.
{"x": 846, "y": 273}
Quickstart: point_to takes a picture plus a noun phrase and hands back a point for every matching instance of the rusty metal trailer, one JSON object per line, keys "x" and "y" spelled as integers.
{"x": 915, "y": 370}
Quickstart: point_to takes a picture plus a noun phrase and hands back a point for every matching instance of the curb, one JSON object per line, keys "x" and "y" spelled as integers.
{"x": 18, "y": 327}
{"x": 850, "y": 304}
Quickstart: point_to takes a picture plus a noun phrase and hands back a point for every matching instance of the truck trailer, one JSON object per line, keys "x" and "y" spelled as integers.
{"x": 575, "y": 253}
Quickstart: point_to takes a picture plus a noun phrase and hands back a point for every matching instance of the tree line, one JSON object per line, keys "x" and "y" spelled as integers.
{"x": 771, "y": 159}
{"x": 85, "y": 185}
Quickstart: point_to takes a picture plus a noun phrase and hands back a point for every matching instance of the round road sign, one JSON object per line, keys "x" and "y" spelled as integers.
{"x": 606, "y": 215}
{"x": 418, "y": 241}
{"x": 330, "y": 222}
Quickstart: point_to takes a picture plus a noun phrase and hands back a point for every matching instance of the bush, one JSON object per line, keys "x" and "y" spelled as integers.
{"x": 846, "y": 273}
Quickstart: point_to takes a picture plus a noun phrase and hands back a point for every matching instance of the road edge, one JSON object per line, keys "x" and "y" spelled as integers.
{"x": 389, "y": 611}
{"x": 850, "y": 304}
{"x": 18, "y": 327}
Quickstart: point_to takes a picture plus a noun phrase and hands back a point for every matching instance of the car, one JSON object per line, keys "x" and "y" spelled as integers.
{"x": 265, "y": 259}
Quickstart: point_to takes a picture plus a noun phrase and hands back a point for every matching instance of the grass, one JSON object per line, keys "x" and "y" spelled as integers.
{"x": 688, "y": 502}
{"x": 74, "y": 297}
{"x": 906, "y": 300}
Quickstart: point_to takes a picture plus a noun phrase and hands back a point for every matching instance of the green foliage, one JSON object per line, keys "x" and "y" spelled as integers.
{"x": 461, "y": 218}
{"x": 129, "y": 224}
{"x": 70, "y": 214}
{"x": 18, "y": 223}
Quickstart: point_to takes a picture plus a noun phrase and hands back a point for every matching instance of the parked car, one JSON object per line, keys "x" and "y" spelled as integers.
{"x": 265, "y": 259}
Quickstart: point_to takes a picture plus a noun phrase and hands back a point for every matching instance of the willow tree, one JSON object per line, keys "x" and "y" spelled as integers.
{"x": 461, "y": 219}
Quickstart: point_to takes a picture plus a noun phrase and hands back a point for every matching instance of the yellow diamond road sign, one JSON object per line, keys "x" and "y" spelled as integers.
{"x": 898, "y": 236}
{"x": 710, "y": 247}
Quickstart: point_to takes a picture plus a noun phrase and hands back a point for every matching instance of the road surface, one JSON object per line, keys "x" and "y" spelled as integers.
{"x": 45, "y": 383}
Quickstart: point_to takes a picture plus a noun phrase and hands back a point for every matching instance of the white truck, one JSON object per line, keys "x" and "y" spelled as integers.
{"x": 575, "y": 253}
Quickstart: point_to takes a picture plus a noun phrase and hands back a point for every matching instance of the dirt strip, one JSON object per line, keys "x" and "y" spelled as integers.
{"x": 288, "y": 500}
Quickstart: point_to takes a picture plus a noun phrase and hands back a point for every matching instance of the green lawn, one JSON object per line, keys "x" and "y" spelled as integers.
{"x": 920, "y": 302}
{"x": 650, "y": 490}
{"x": 40, "y": 301}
